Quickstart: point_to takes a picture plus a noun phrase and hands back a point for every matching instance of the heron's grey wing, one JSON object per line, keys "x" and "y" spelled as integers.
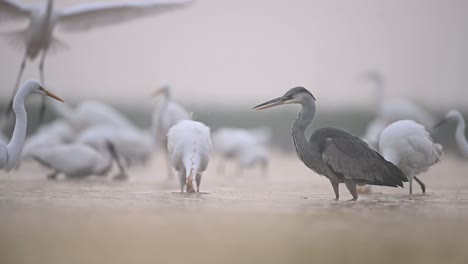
{"x": 355, "y": 160}
{"x": 13, "y": 10}
{"x": 85, "y": 16}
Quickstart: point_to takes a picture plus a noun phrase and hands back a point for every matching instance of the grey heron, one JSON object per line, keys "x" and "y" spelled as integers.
{"x": 335, "y": 153}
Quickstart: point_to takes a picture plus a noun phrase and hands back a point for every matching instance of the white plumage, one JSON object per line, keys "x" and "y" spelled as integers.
{"x": 460, "y": 137}
{"x": 166, "y": 114}
{"x": 408, "y": 145}
{"x": 247, "y": 147}
{"x": 38, "y": 37}
{"x": 10, "y": 154}
{"x": 189, "y": 145}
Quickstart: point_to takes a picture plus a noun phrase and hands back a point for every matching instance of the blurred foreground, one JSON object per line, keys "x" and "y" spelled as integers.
{"x": 286, "y": 217}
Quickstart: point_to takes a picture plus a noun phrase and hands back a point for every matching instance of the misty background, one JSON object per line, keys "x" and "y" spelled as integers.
{"x": 223, "y": 57}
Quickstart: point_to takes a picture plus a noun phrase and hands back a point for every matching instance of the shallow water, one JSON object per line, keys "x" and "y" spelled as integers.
{"x": 287, "y": 216}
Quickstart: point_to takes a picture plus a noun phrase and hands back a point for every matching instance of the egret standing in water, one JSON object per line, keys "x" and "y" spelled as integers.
{"x": 408, "y": 145}
{"x": 459, "y": 131}
{"x": 10, "y": 154}
{"x": 189, "y": 145}
{"x": 38, "y": 37}
{"x": 166, "y": 115}
{"x": 335, "y": 153}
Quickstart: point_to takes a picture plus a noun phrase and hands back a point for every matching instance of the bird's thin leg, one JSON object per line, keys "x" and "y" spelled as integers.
{"x": 170, "y": 173}
{"x": 53, "y": 175}
{"x": 198, "y": 179}
{"x": 182, "y": 180}
{"x": 264, "y": 169}
{"x": 423, "y": 186}
{"x": 42, "y": 109}
{"x": 335, "y": 185}
{"x": 15, "y": 88}
{"x": 411, "y": 186}
{"x": 352, "y": 189}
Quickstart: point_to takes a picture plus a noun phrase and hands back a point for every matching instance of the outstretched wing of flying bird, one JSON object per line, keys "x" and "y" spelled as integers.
{"x": 12, "y": 10}
{"x": 84, "y": 17}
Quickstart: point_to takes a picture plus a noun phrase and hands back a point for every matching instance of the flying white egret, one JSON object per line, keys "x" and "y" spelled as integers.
{"x": 39, "y": 36}
{"x": 459, "y": 131}
{"x": 189, "y": 145}
{"x": 391, "y": 110}
{"x": 165, "y": 115}
{"x": 10, "y": 154}
{"x": 408, "y": 145}
{"x": 247, "y": 147}
{"x": 79, "y": 160}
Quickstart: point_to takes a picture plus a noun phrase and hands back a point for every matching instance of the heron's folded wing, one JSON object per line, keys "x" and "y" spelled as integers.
{"x": 355, "y": 160}
{"x": 83, "y": 17}
{"x": 12, "y": 10}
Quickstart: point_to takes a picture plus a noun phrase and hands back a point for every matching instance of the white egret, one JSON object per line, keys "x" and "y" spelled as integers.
{"x": 459, "y": 131}
{"x": 55, "y": 133}
{"x": 91, "y": 113}
{"x": 132, "y": 145}
{"x": 39, "y": 36}
{"x": 166, "y": 114}
{"x": 78, "y": 160}
{"x": 247, "y": 147}
{"x": 189, "y": 145}
{"x": 408, "y": 145}
{"x": 10, "y": 154}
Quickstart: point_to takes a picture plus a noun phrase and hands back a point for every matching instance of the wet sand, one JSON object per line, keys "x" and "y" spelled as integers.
{"x": 288, "y": 216}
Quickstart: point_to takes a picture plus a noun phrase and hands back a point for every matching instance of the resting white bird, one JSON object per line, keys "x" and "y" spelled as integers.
{"x": 247, "y": 147}
{"x": 38, "y": 37}
{"x": 189, "y": 145}
{"x": 408, "y": 145}
{"x": 91, "y": 113}
{"x": 10, "y": 154}
{"x": 391, "y": 110}
{"x": 459, "y": 131}
{"x": 79, "y": 160}
{"x": 165, "y": 115}
{"x": 132, "y": 145}
{"x": 55, "y": 133}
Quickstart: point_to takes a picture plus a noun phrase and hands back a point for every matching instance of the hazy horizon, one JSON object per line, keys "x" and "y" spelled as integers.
{"x": 246, "y": 52}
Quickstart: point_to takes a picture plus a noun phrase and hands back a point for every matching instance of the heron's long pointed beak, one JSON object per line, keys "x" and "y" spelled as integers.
{"x": 440, "y": 123}
{"x": 271, "y": 103}
{"x": 157, "y": 92}
{"x": 50, "y": 94}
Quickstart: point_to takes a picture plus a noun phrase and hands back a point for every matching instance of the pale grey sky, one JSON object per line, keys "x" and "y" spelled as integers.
{"x": 247, "y": 51}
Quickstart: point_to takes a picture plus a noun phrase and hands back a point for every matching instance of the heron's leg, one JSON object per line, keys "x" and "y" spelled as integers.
{"x": 352, "y": 189}
{"x": 15, "y": 88}
{"x": 182, "y": 180}
{"x": 53, "y": 175}
{"x": 335, "y": 185}
{"x": 264, "y": 165}
{"x": 198, "y": 179}
{"x": 423, "y": 186}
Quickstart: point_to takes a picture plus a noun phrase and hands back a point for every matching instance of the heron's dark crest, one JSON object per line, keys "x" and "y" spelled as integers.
{"x": 297, "y": 90}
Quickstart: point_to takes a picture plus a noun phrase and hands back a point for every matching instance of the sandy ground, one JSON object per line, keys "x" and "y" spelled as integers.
{"x": 288, "y": 216}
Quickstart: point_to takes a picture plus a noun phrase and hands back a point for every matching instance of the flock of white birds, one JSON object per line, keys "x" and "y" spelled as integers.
{"x": 88, "y": 139}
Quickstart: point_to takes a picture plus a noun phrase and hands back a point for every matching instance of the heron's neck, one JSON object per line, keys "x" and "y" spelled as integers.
{"x": 19, "y": 134}
{"x": 303, "y": 121}
{"x": 460, "y": 136}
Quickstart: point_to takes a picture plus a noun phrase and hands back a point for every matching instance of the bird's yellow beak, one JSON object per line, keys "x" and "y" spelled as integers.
{"x": 271, "y": 103}
{"x": 50, "y": 94}
{"x": 158, "y": 92}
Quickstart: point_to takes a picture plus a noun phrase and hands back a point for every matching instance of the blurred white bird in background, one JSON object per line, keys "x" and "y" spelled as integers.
{"x": 79, "y": 160}
{"x": 460, "y": 137}
{"x": 189, "y": 145}
{"x": 38, "y": 37}
{"x": 166, "y": 114}
{"x": 408, "y": 145}
{"x": 10, "y": 154}
{"x": 391, "y": 110}
{"x": 247, "y": 147}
